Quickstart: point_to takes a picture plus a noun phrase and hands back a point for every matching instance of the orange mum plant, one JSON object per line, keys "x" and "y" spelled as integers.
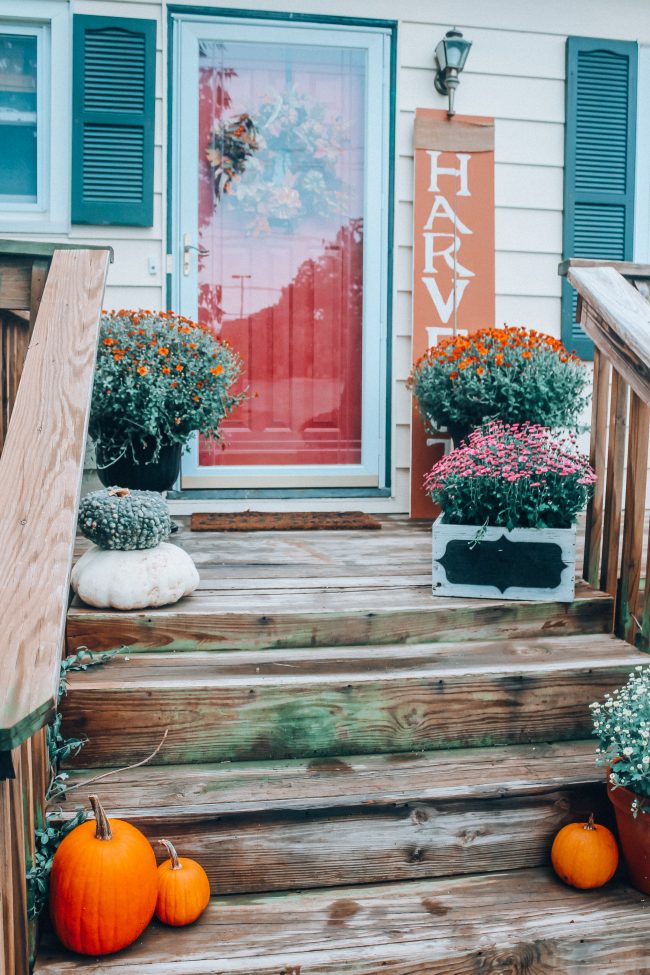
{"x": 511, "y": 374}
{"x": 159, "y": 377}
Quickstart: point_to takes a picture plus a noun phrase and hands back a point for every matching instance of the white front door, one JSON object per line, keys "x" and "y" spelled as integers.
{"x": 281, "y": 142}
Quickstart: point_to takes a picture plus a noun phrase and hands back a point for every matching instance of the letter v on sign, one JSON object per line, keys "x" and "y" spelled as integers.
{"x": 445, "y": 306}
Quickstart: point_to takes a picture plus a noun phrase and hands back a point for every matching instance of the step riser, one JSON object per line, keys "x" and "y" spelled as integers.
{"x": 342, "y": 716}
{"x": 214, "y": 630}
{"x": 415, "y": 840}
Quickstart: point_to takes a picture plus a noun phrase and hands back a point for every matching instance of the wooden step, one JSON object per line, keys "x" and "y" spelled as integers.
{"x": 524, "y": 921}
{"x": 284, "y": 612}
{"x": 238, "y": 706}
{"x": 262, "y": 826}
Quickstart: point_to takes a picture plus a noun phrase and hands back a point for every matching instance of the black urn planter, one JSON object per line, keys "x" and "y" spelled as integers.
{"x": 459, "y": 432}
{"x": 146, "y": 475}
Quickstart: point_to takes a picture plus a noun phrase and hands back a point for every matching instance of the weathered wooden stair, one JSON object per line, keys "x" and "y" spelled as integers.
{"x": 371, "y": 777}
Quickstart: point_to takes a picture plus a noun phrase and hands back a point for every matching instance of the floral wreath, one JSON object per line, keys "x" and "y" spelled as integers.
{"x": 281, "y": 165}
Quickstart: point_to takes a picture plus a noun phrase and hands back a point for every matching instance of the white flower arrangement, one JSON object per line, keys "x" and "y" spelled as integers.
{"x": 622, "y": 726}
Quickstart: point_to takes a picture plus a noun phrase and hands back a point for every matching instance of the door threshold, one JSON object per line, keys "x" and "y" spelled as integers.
{"x": 255, "y": 494}
{"x": 374, "y": 506}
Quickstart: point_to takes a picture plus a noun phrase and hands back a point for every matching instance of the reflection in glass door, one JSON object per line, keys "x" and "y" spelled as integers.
{"x": 285, "y": 148}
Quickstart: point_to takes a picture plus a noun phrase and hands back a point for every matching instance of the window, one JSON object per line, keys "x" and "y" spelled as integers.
{"x": 21, "y": 116}
{"x": 34, "y": 118}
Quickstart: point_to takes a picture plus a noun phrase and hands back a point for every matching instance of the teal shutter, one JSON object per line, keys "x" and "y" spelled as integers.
{"x": 600, "y": 145}
{"x": 114, "y": 64}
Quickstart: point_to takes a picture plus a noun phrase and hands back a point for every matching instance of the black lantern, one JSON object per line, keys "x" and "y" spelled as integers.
{"x": 451, "y": 55}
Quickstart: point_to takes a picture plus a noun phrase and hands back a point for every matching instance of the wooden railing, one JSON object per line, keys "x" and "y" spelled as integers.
{"x": 50, "y": 302}
{"x": 614, "y": 311}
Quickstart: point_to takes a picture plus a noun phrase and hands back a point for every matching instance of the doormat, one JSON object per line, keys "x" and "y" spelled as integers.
{"x": 283, "y": 521}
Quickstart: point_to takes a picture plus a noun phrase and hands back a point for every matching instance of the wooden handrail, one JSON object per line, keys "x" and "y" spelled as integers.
{"x": 40, "y": 478}
{"x": 614, "y": 310}
{"x": 616, "y": 317}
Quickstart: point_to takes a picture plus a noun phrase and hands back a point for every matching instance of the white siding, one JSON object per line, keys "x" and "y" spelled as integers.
{"x": 515, "y": 73}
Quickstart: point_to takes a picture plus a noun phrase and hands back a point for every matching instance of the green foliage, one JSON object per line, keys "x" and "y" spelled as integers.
{"x": 516, "y": 477}
{"x": 117, "y": 518}
{"x": 622, "y": 726}
{"x": 159, "y": 378}
{"x": 48, "y": 837}
{"x": 510, "y": 374}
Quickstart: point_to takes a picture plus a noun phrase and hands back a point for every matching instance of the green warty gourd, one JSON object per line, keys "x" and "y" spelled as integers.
{"x": 117, "y": 518}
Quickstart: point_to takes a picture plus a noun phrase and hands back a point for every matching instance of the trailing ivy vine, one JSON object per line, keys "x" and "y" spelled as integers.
{"x": 48, "y": 837}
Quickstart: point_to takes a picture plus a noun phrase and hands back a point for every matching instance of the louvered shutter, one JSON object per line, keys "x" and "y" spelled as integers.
{"x": 600, "y": 144}
{"x": 113, "y": 120}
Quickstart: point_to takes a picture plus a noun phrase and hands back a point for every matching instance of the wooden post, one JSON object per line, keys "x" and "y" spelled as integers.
{"x": 597, "y": 459}
{"x": 14, "y": 948}
{"x": 614, "y": 485}
{"x": 637, "y": 471}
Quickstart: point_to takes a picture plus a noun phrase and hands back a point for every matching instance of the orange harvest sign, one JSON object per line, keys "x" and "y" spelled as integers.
{"x": 453, "y": 252}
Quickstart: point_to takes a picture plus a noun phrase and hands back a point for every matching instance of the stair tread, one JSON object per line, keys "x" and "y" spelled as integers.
{"x": 511, "y": 921}
{"x": 321, "y": 664}
{"x": 292, "y": 597}
{"x": 340, "y": 612}
{"x": 276, "y": 704}
{"x": 262, "y": 826}
{"x": 198, "y": 791}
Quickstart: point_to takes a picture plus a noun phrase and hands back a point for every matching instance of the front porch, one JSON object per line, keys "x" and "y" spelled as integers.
{"x": 372, "y": 777}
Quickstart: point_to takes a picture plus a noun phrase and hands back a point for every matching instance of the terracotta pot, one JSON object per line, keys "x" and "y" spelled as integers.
{"x": 634, "y": 836}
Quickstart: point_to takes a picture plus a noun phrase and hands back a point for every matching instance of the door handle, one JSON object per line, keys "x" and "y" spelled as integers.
{"x": 187, "y": 247}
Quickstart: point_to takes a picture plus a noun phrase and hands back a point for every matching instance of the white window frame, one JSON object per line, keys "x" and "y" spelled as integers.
{"x": 49, "y": 22}
{"x": 189, "y": 29}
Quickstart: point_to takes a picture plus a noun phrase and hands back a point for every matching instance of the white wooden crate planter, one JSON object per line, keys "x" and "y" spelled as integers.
{"x": 524, "y": 563}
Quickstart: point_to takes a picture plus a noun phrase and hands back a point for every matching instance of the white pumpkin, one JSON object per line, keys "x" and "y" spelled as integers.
{"x": 134, "y": 580}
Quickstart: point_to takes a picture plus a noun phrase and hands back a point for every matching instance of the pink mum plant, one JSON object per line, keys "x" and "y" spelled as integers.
{"x": 512, "y": 475}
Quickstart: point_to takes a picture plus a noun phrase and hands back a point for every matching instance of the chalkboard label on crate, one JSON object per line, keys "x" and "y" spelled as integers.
{"x": 503, "y": 563}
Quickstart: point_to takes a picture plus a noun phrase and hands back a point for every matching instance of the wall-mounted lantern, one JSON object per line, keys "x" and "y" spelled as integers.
{"x": 451, "y": 55}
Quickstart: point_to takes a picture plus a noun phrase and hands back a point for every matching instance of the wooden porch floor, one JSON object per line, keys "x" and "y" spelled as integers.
{"x": 315, "y": 588}
{"x": 329, "y": 764}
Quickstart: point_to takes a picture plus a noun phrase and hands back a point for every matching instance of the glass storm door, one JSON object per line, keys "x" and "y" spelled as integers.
{"x": 280, "y": 177}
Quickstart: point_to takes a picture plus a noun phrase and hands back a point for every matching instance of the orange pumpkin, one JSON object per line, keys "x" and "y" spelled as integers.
{"x": 183, "y": 889}
{"x": 103, "y": 885}
{"x": 585, "y": 855}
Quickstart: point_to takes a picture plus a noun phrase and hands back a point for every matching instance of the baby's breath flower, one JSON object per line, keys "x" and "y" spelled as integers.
{"x": 622, "y": 726}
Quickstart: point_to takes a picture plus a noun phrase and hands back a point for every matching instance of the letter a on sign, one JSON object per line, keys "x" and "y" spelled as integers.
{"x": 453, "y": 252}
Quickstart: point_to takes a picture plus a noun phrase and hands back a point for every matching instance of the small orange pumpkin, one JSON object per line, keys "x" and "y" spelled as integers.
{"x": 183, "y": 889}
{"x": 103, "y": 885}
{"x": 585, "y": 855}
